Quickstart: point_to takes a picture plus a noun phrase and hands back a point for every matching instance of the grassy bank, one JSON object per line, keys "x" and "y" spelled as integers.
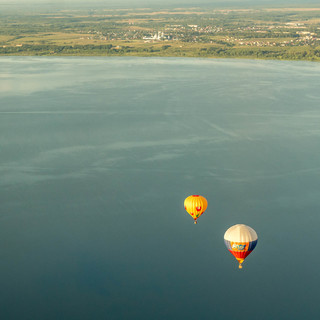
{"x": 165, "y": 50}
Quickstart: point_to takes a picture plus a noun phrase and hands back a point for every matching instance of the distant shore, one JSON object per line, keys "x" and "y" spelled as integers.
{"x": 165, "y": 50}
{"x": 252, "y": 33}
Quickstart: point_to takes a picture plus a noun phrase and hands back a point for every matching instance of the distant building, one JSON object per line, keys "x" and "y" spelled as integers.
{"x": 157, "y": 36}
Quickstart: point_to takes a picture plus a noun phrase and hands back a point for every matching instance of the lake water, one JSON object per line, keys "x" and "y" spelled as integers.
{"x": 97, "y": 157}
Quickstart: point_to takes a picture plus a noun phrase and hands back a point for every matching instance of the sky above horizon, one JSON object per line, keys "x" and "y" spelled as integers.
{"x": 136, "y": 3}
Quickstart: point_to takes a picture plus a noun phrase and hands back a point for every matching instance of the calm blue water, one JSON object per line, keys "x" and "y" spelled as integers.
{"x": 97, "y": 156}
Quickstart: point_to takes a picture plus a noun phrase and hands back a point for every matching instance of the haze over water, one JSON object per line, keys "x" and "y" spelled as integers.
{"x": 97, "y": 157}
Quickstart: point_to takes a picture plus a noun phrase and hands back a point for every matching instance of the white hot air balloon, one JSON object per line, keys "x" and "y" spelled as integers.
{"x": 240, "y": 241}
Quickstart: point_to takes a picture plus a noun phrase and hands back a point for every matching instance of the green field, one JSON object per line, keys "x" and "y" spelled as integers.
{"x": 263, "y": 33}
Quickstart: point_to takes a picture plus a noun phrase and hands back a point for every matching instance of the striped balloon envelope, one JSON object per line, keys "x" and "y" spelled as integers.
{"x": 195, "y": 205}
{"x": 240, "y": 241}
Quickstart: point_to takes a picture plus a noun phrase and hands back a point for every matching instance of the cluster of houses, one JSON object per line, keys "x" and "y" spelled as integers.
{"x": 195, "y": 33}
{"x": 305, "y": 37}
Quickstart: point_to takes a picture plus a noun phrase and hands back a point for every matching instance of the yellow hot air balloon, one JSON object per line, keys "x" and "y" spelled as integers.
{"x": 195, "y": 205}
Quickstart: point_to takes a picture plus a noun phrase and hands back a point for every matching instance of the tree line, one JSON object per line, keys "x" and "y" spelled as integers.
{"x": 286, "y": 53}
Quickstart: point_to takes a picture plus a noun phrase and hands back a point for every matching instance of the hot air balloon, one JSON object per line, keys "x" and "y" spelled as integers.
{"x": 195, "y": 205}
{"x": 240, "y": 241}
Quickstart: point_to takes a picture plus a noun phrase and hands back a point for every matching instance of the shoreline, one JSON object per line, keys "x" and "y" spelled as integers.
{"x": 244, "y": 57}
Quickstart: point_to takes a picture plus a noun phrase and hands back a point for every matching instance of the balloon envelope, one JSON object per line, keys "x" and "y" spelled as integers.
{"x": 240, "y": 241}
{"x": 195, "y": 205}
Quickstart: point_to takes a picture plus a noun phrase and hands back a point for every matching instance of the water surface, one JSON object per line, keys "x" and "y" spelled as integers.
{"x": 97, "y": 156}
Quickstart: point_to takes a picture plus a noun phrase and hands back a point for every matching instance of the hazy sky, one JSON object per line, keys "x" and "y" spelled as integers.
{"x": 136, "y": 3}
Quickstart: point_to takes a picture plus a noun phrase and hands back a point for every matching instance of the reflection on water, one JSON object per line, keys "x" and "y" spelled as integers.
{"x": 97, "y": 157}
